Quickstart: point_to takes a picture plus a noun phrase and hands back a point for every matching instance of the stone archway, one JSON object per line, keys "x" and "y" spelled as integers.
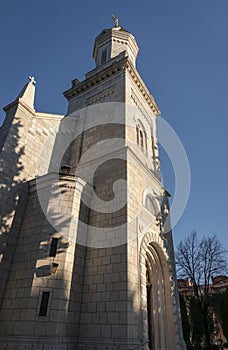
{"x": 156, "y": 303}
{"x": 158, "y": 320}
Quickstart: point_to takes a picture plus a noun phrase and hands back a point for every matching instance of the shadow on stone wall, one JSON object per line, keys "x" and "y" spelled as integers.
{"x": 13, "y": 196}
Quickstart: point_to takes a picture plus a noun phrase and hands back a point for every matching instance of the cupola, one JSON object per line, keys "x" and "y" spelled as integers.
{"x": 111, "y": 42}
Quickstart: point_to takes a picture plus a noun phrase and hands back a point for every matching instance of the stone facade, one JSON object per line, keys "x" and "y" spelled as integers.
{"x": 87, "y": 257}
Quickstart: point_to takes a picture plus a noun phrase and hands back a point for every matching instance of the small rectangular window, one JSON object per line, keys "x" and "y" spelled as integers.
{"x": 103, "y": 56}
{"x": 53, "y": 248}
{"x": 44, "y": 304}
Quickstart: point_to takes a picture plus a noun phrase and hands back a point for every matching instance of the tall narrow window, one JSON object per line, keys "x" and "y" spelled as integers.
{"x": 141, "y": 138}
{"x": 53, "y": 248}
{"x": 145, "y": 142}
{"x": 44, "y": 304}
{"x": 103, "y": 56}
{"x": 137, "y": 134}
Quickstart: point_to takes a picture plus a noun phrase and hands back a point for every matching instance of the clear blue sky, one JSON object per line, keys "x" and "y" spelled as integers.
{"x": 183, "y": 60}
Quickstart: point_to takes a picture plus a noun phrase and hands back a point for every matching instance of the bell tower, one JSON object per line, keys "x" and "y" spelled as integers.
{"x": 130, "y": 257}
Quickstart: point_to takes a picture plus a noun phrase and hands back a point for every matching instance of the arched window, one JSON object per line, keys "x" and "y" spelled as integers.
{"x": 141, "y": 137}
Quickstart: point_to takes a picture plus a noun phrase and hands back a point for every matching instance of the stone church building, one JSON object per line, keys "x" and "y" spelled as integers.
{"x": 87, "y": 258}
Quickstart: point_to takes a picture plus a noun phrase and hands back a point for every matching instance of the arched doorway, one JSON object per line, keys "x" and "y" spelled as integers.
{"x": 157, "y": 308}
{"x": 149, "y": 308}
{"x": 160, "y": 320}
{"x": 156, "y": 303}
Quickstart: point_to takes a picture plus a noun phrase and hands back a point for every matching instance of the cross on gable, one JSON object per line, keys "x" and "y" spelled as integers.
{"x": 32, "y": 79}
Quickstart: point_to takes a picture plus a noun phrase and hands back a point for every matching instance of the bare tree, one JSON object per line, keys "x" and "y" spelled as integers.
{"x": 199, "y": 261}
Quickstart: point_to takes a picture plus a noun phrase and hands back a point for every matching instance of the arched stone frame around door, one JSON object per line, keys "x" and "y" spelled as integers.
{"x": 156, "y": 284}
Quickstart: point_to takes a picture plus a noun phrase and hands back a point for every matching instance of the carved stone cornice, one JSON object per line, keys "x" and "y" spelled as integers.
{"x": 119, "y": 64}
{"x": 142, "y": 87}
{"x": 96, "y": 79}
